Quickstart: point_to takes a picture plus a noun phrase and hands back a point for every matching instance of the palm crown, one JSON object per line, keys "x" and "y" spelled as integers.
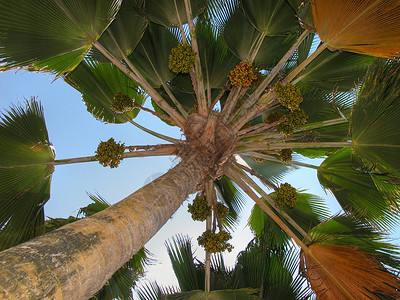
{"x": 245, "y": 83}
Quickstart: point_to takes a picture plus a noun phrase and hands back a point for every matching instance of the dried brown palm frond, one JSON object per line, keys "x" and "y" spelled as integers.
{"x": 362, "y": 26}
{"x": 358, "y": 272}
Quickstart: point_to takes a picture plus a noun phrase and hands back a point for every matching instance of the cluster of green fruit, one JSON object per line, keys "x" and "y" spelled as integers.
{"x": 110, "y": 153}
{"x": 221, "y": 210}
{"x": 215, "y": 242}
{"x": 122, "y": 103}
{"x": 285, "y": 195}
{"x": 242, "y": 75}
{"x": 199, "y": 210}
{"x": 288, "y": 95}
{"x": 181, "y": 59}
{"x": 294, "y": 120}
{"x": 285, "y": 155}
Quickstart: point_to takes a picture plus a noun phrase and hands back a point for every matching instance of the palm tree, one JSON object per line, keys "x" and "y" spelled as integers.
{"x": 262, "y": 271}
{"x": 240, "y": 79}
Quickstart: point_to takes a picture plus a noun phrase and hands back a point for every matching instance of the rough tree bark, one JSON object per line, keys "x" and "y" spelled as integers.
{"x": 75, "y": 261}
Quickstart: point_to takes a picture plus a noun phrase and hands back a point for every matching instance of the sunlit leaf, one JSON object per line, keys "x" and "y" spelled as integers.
{"x": 51, "y": 34}
{"x": 362, "y": 26}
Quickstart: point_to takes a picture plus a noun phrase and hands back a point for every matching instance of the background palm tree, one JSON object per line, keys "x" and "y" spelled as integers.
{"x": 262, "y": 271}
{"x": 114, "y": 51}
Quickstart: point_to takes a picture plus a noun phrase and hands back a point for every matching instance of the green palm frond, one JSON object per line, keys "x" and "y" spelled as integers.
{"x": 323, "y": 106}
{"x": 23, "y": 189}
{"x": 181, "y": 256}
{"x": 240, "y": 37}
{"x": 124, "y": 33}
{"x": 99, "y": 83}
{"x": 52, "y": 35}
{"x": 55, "y": 223}
{"x": 215, "y": 58}
{"x": 271, "y": 171}
{"x": 150, "y": 291}
{"x": 303, "y": 12}
{"x": 171, "y": 13}
{"x": 305, "y": 48}
{"x": 229, "y": 194}
{"x": 336, "y": 70}
{"x": 270, "y": 17}
{"x": 309, "y": 211}
{"x": 151, "y": 55}
{"x": 273, "y": 270}
{"x": 376, "y": 118}
{"x": 354, "y": 188}
{"x": 245, "y": 293}
{"x": 99, "y": 204}
{"x": 218, "y": 12}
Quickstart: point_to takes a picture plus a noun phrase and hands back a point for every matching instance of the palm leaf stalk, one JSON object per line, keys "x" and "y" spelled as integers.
{"x": 274, "y": 159}
{"x": 210, "y": 195}
{"x": 275, "y": 146}
{"x": 261, "y": 131}
{"x": 134, "y": 151}
{"x": 198, "y": 78}
{"x": 240, "y": 182}
{"x": 244, "y": 118}
{"x": 153, "y": 133}
{"x": 269, "y": 200}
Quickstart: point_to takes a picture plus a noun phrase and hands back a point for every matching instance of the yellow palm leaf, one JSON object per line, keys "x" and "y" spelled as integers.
{"x": 362, "y": 26}
{"x": 358, "y": 272}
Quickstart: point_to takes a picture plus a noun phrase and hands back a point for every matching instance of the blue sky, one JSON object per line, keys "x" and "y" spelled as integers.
{"x": 75, "y": 132}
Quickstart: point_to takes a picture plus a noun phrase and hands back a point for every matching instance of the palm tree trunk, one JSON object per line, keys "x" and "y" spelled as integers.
{"x": 75, "y": 261}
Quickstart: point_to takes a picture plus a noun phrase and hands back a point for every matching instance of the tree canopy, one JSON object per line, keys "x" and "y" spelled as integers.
{"x": 249, "y": 83}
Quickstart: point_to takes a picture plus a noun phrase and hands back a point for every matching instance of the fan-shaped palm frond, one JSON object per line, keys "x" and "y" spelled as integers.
{"x": 231, "y": 196}
{"x": 180, "y": 253}
{"x": 355, "y": 188}
{"x": 375, "y": 118}
{"x": 69, "y": 26}
{"x": 352, "y": 25}
{"x": 336, "y": 70}
{"x": 360, "y": 274}
{"x": 24, "y": 181}
{"x": 357, "y": 254}
{"x": 99, "y": 83}
{"x": 309, "y": 211}
{"x": 124, "y": 33}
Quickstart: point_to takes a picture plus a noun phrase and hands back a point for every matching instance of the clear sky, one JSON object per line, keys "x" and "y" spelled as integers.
{"x": 74, "y": 132}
